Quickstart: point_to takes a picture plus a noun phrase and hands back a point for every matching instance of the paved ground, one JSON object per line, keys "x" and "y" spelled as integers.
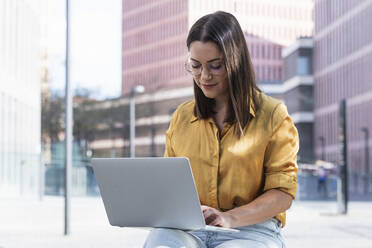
{"x": 31, "y": 223}
{"x": 315, "y": 224}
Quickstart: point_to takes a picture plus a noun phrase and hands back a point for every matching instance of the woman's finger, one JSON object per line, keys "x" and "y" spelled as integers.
{"x": 206, "y": 208}
{"x": 208, "y": 211}
{"x": 203, "y": 207}
{"x": 207, "y": 214}
{"x": 216, "y": 222}
{"x": 209, "y": 219}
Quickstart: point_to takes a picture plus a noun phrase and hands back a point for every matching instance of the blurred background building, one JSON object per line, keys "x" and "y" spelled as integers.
{"x": 342, "y": 70}
{"x": 298, "y": 88}
{"x": 298, "y": 93}
{"x": 269, "y": 26}
{"x": 154, "y": 38}
{"x": 153, "y": 113}
{"x": 154, "y": 51}
{"x": 21, "y": 60}
{"x": 311, "y": 70}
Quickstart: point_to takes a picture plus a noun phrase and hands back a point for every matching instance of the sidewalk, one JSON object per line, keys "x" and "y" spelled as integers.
{"x": 31, "y": 223}
{"x": 315, "y": 224}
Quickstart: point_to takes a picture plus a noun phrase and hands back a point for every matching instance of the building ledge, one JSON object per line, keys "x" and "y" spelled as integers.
{"x": 299, "y": 43}
{"x": 302, "y": 117}
{"x": 274, "y": 89}
{"x": 297, "y": 81}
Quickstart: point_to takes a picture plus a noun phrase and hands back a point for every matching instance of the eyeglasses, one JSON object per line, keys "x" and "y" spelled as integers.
{"x": 216, "y": 67}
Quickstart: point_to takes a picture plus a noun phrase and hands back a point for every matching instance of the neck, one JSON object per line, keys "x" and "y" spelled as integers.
{"x": 221, "y": 109}
{"x": 221, "y": 104}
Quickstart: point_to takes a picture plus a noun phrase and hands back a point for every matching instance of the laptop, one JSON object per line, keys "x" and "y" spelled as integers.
{"x": 150, "y": 192}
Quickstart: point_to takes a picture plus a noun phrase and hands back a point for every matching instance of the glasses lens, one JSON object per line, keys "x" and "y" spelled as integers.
{"x": 193, "y": 68}
{"x": 214, "y": 68}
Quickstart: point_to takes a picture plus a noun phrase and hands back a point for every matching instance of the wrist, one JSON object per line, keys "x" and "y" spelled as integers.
{"x": 233, "y": 220}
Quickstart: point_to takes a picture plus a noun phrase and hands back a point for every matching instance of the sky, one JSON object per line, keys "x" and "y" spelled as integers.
{"x": 95, "y": 46}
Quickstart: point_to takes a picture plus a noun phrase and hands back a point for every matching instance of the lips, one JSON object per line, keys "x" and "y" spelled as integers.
{"x": 208, "y": 85}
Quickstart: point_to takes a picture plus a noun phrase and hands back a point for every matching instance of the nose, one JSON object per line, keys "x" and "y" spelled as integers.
{"x": 205, "y": 73}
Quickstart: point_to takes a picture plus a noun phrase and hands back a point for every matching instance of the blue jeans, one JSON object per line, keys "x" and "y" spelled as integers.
{"x": 262, "y": 235}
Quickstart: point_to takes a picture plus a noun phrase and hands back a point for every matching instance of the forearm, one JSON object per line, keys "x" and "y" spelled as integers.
{"x": 265, "y": 206}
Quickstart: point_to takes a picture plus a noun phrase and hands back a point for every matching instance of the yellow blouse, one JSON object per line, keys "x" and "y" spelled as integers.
{"x": 230, "y": 172}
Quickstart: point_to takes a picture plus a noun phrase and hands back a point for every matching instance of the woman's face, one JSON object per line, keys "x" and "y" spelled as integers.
{"x": 212, "y": 80}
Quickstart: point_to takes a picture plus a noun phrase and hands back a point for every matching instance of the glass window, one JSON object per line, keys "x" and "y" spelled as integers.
{"x": 2, "y": 142}
{"x": 303, "y": 65}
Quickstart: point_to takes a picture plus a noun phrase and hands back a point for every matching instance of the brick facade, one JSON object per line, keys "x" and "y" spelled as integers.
{"x": 342, "y": 70}
{"x": 154, "y": 50}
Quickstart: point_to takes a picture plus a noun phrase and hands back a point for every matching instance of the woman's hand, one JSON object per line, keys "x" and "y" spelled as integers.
{"x": 214, "y": 217}
{"x": 264, "y": 207}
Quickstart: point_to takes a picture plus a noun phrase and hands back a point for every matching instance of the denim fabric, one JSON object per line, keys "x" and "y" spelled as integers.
{"x": 261, "y": 235}
{"x": 172, "y": 238}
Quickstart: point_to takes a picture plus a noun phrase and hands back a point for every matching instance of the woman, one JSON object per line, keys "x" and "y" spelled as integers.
{"x": 242, "y": 144}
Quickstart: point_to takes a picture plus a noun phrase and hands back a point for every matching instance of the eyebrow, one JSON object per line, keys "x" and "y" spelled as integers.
{"x": 207, "y": 61}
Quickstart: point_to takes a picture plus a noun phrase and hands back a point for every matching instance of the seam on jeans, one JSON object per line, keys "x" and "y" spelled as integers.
{"x": 207, "y": 238}
{"x": 200, "y": 242}
{"x": 214, "y": 236}
{"x": 280, "y": 238}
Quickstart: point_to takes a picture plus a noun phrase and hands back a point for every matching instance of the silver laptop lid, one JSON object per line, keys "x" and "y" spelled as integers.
{"x": 149, "y": 192}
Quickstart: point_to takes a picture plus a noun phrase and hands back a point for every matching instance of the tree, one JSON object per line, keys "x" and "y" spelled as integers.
{"x": 52, "y": 113}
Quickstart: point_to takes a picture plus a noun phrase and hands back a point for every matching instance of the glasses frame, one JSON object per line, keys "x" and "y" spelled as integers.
{"x": 188, "y": 67}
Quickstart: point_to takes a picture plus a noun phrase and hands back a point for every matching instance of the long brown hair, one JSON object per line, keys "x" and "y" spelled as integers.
{"x": 224, "y": 30}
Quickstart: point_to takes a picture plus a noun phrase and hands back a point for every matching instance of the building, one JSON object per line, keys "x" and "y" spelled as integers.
{"x": 153, "y": 113}
{"x": 298, "y": 93}
{"x": 342, "y": 70}
{"x": 269, "y": 25}
{"x": 20, "y": 77}
{"x": 268, "y": 64}
{"x": 154, "y": 52}
{"x": 154, "y": 38}
{"x": 81, "y": 174}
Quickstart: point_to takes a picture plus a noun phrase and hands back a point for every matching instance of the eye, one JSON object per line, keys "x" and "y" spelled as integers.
{"x": 195, "y": 66}
{"x": 216, "y": 66}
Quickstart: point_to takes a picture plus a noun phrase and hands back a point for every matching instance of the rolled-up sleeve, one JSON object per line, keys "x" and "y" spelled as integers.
{"x": 280, "y": 160}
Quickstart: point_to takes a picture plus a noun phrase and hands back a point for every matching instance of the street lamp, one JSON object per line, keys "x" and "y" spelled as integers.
{"x": 132, "y": 112}
{"x": 366, "y": 161}
{"x": 68, "y": 123}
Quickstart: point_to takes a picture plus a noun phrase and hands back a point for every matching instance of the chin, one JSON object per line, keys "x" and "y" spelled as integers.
{"x": 209, "y": 95}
